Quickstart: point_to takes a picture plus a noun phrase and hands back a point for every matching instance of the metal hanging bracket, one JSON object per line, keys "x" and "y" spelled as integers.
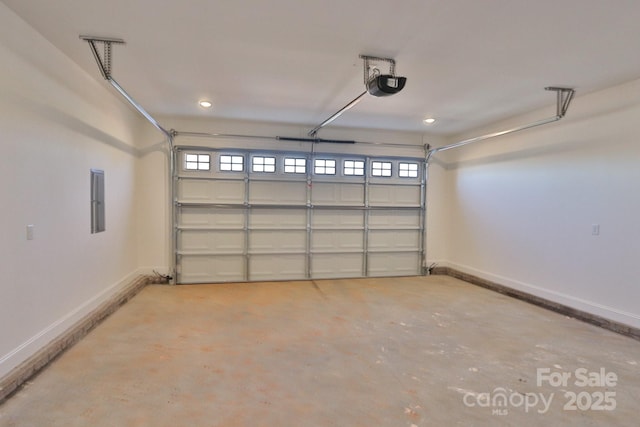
{"x": 370, "y": 71}
{"x": 564, "y": 95}
{"x": 104, "y": 61}
{"x": 104, "y": 64}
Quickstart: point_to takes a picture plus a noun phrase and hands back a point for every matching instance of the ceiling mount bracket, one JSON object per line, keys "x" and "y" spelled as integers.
{"x": 564, "y": 97}
{"x": 370, "y": 70}
{"x": 104, "y": 61}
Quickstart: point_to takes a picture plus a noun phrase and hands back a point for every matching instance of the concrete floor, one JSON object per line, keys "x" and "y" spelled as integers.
{"x": 375, "y": 352}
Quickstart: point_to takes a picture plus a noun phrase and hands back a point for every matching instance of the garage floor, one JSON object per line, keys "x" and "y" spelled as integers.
{"x": 366, "y": 352}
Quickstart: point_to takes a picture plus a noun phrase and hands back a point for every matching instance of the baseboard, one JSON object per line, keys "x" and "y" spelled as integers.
{"x": 585, "y": 316}
{"x": 64, "y": 333}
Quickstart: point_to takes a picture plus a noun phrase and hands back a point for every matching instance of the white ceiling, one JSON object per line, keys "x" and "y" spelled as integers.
{"x": 468, "y": 63}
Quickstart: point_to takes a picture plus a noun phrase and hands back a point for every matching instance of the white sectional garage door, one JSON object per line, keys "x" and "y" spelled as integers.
{"x": 255, "y": 216}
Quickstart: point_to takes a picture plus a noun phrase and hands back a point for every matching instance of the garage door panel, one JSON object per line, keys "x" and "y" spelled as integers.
{"x": 221, "y": 242}
{"x": 278, "y": 219}
{"x": 207, "y": 191}
{"x": 388, "y": 218}
{"x": 394, "y": 264}
{"x": 337, "y": 241}
{"x": 210, "y": 217}
{"x": 210, "y": 269}
{"x": 334, "y": 193}
{"x": 277, "y": 267}
{"x": 394, "y": 239}
{"x": 338, "y": 219}
{"x": 281, "y": 241}
{"x": 328, "y": 266}
{"x": 394, "y": 195}
{"x": 278, "y": 193}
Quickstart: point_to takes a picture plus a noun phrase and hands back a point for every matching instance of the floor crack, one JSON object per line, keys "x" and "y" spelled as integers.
{"x": 315, "y": 285}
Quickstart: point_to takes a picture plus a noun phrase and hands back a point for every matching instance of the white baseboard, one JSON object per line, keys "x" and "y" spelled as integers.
{"x": 31, "y": 346}
{"x": 575, "y": 302}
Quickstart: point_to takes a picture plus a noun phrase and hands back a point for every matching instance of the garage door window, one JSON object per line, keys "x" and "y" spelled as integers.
{"x": 381, "y": 169}
{"x": 295, "y": 165}
{"x": 232, "y": 163}
{"x": 197, "y": 162}
{"x": 353, "y": 167}
{"x": 408, "y": 170}
{"x": 324, "y": 167}
{"x": 264, "y": 164}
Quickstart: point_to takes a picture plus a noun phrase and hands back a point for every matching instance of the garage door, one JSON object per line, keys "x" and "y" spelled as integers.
{"x": 268, "y": 215}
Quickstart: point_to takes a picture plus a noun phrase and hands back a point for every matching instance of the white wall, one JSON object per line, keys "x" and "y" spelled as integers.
{"x": 438, "y": 216}
{"x": 153, "y": 207}
{"x": 522, "y": 206}
{"x": 57, "y": 123}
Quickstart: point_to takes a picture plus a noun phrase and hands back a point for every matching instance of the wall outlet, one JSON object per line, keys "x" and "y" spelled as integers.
{"x": 30, "y": 229}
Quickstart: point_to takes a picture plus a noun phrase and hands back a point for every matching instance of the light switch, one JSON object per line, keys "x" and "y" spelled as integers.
{"x": 595, "y": 229}
{"x": 30, "y": 229}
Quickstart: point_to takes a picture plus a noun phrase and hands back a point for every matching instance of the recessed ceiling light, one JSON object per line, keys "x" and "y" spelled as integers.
{"x": 429, "y": 120}
{"x": 205, "y": 104}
